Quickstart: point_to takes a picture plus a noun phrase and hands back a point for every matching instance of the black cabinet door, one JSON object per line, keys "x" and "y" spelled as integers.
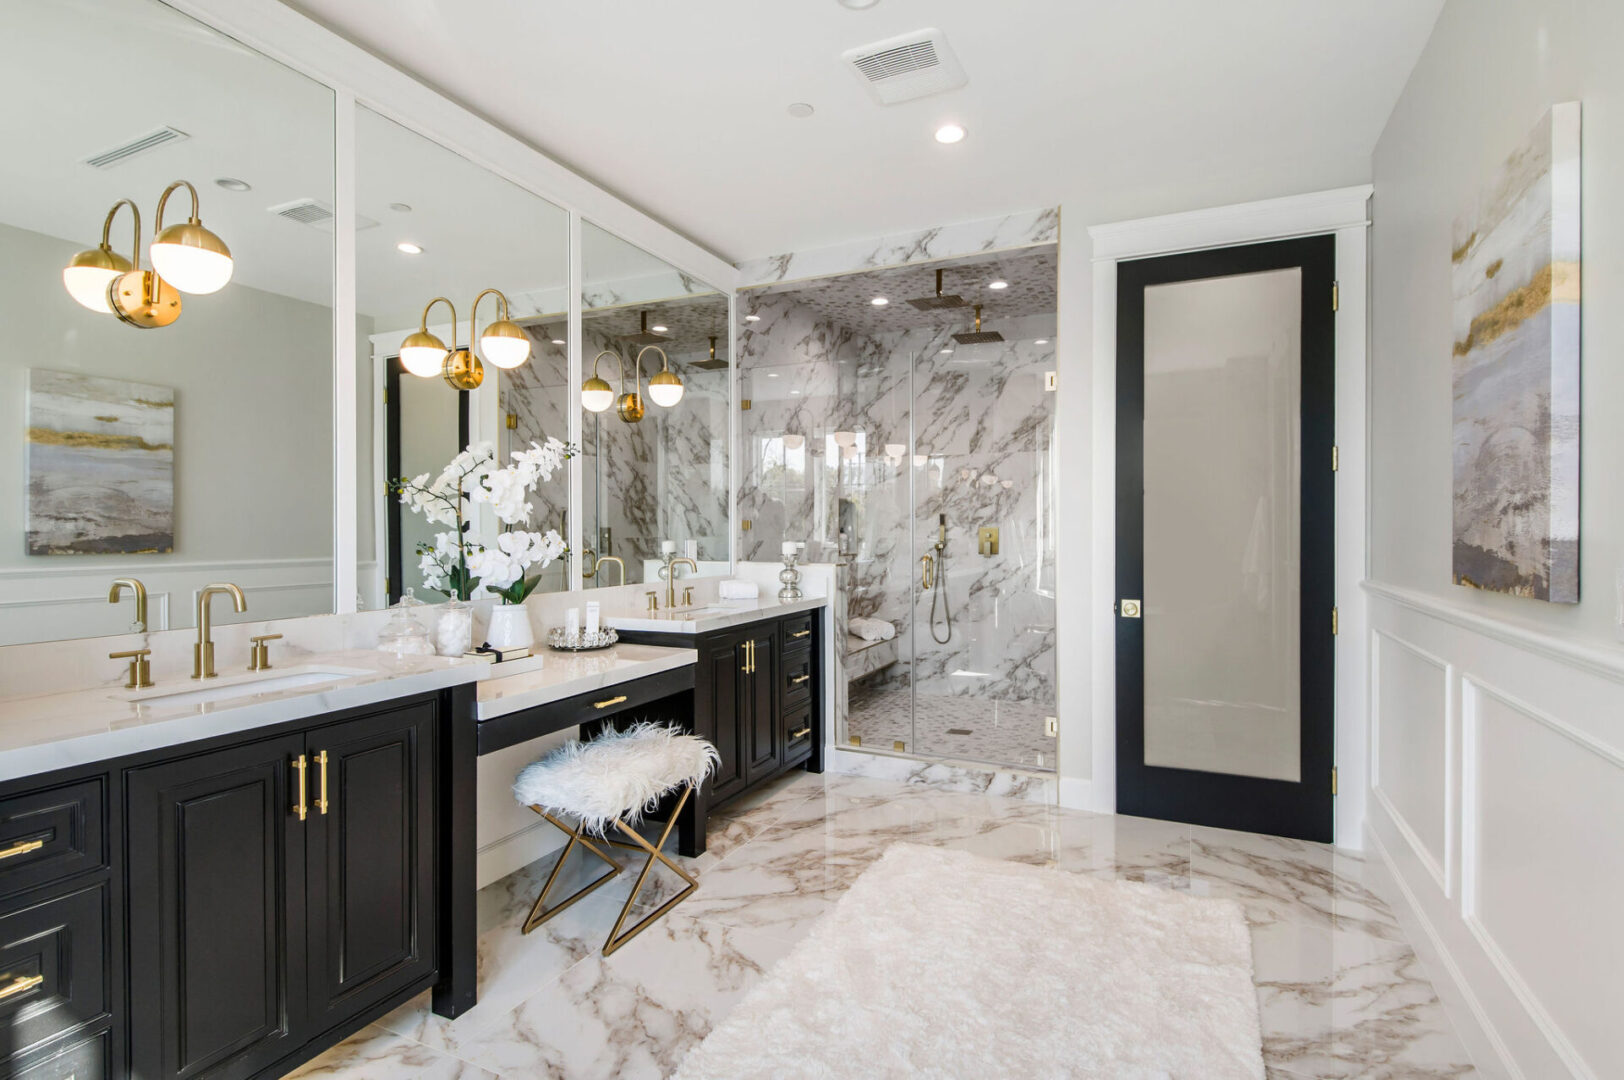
{"x": 216, "y": 912}
{"x": 763, "y": 729}
{"x": 370, "y": 869}
{"x": 719, "y": 707}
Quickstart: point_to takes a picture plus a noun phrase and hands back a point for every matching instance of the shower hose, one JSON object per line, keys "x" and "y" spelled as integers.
{"x": 938, "y": 587}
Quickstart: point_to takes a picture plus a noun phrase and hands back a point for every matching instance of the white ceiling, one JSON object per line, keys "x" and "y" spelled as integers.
{"x": 680, "y": 107}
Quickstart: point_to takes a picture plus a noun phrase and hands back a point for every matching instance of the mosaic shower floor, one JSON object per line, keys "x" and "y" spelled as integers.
{"x": 962, "y": 728}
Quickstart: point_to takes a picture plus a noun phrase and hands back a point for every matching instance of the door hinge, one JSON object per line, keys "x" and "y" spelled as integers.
{"x": 1333, "y": 621}
{"x": 1333, "y": 779}
{"x": 744, "y": 405}
{"x": 1051, "y": 726}
{"x": 386, "y": 395}
{"x": 513, "y": 421}
{"x": 1336, "y": 459}
{"x": 1051, "y": 381}
{"x": 1336, "y": 296}
{"x": 386, "y": 586}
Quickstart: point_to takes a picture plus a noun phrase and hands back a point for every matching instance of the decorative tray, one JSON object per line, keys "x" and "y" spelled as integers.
{"x": 560, "y": 639}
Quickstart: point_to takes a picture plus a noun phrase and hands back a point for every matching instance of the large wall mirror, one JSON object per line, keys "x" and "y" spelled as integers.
{"x": 435, "y": 233}
{"x": 187, "y": 438}
{"x": 655, "y": 355}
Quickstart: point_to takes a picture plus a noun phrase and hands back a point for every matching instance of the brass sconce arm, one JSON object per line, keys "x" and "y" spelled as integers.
{"x": 135, "y": 239}
{"x": 423, "y": 323}
{"x": 163, "y": 200}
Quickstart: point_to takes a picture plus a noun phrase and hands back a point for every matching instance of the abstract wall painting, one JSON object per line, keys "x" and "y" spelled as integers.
{"x": 1516, "y": 371}
{"x": 101, "y": 465}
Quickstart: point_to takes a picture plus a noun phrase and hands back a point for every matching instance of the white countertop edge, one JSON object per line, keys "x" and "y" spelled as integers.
{"x": 583, "y": 684}
{"x": 101, "y": 746}
{"x": 766, "y": 607}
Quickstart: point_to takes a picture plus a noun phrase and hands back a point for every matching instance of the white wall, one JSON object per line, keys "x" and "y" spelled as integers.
{"x": 1497, "y": 756}
{"x": 252, "y": 372}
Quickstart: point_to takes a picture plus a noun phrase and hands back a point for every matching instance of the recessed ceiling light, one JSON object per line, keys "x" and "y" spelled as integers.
{"x": 947, "y": 352}
{"x": 795, "y": 391}
{"x": 400, "y": 207}
{"x": 231, "y": 183}
{"x": 800, "y": 110}
{"x": 658, "y": 329}
{"x": 998, "y": 284}
{"x": 858, "y": 5}
{"x": 879, "y": 301}
{"x": 752, "y": 318}
{"x": 1041, "y": 341}
{"x": 559, "y": 341}
{"x": 950, "y": 133}
{"x": 772, "y": 374}
{"x": 409, "y": 248}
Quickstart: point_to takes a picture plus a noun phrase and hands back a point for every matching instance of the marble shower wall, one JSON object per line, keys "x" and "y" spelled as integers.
{"x": 537, "y": 396}
{"x": 968, "y": 433}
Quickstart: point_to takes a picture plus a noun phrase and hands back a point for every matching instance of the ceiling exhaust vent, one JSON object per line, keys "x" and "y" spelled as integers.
{"x": 150, "y": 141}
{"x": 908, "y": 66}
{"x": 316, "y": 214}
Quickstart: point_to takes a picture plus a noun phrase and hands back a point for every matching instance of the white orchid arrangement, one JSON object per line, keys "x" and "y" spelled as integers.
{"x": 461, "y": 567}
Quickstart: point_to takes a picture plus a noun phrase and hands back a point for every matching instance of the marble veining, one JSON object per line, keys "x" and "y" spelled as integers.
{"x": 1340, "y": 992}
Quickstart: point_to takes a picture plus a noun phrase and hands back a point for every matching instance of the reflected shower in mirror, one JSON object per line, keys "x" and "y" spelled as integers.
{"x": 167, "y": 292}
{"x": 654, "y": 399}
{"x": 436, "y": 236}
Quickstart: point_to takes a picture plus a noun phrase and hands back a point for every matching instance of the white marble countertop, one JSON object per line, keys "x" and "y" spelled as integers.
{"x": 716, "y": 615}
{"x": 56, "y": 731}
{"x": 560, "y": 675}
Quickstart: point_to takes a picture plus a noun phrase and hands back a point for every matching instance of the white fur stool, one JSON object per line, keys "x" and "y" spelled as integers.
{"x": 614, "y": 780}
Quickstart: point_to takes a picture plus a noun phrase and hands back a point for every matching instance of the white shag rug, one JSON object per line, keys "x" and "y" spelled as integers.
{"x": 939, "y": 963}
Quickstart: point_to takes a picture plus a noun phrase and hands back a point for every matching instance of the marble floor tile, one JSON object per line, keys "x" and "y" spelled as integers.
{"x": 1340, "y": 993}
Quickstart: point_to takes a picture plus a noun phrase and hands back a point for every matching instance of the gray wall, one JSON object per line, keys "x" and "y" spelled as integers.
{"x": 1490, "y": 71}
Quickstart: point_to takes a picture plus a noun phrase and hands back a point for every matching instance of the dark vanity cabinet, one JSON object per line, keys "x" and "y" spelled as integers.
{"x": 757, "y": 696}
{"x": 253, "y": 899}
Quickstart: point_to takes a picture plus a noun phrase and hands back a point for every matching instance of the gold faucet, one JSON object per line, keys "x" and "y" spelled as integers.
{"x": 616, "y": 559}
{"x": 140, "y": 591}
{"x": 203, "y": 651}
{"x": 671, "y": 577}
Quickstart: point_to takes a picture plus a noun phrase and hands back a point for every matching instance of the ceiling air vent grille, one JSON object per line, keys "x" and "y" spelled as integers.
{"x": 316, "y": 214}
{"x": 907, "y": 67}
{"x": 150, "y": 141}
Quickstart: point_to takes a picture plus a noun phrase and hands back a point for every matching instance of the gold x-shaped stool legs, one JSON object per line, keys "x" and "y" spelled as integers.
{"x": 539, "y": 913}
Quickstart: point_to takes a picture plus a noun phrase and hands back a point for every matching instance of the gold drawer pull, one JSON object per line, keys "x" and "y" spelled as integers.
{"x": 799, "y": 679}
{"x": 21, "y": 848}
{"x": 301, "y": 808}
{"x": 611, "y": 701}
{"x": 798, "y": 734}
{"x": 20, "y": 986}
{"x": 321, "y": 799}
{"x": 801, "y": 633}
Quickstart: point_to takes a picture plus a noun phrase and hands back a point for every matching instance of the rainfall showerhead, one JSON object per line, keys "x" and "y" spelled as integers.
{"x": 979, "y": 336}
{"x": 713, "y": 362}
{"x": 939, "y": 301}
{"x": 644, "y": 336}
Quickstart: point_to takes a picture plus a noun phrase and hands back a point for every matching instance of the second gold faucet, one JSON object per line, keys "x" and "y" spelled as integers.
{"x": 203, "y": 651}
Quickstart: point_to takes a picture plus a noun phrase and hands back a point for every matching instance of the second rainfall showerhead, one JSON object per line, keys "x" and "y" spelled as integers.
{"x": 978, "y": 336}
{"x": 939, "y": 301}
{"x": 644, "y": 335}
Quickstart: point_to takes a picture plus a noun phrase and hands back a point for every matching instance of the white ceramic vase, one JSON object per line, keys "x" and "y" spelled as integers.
{"x": 510, "y": 628}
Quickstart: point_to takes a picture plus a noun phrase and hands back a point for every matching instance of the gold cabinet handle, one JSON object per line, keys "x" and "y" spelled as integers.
{"x": 20, "y": 986}
{"x": 611, "y": 701}
{"x": 21, "y": 848}
{"x": 299, "y": 766}
{"x": 801, "y": 633}
{"x": 799, "y": 679}
{"x": 798, "y": 734}
{"x": 321, "y": 797}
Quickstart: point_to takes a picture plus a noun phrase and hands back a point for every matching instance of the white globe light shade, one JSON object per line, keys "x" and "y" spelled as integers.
{"x": 597, "y": 395}
{"x": 505, "y": 344}
{"x": 88, "y": 286}
{"x": 665, "y": 389}
{"x": 422, "y": 354}
{"x": 192, "y": 259}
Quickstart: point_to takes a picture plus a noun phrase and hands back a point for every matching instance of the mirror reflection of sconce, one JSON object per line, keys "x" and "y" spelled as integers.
{"x": 503, "y": 342}
{"x": 185, "y": 258}
{"x": 664, "y": 387}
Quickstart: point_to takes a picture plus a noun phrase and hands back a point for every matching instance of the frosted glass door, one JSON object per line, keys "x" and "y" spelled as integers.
{"x": 1225, "y": 499}
{"x": 1222, "y": 464}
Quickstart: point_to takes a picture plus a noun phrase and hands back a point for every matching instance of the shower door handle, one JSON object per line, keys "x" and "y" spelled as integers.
{"x": 926, "y": 578}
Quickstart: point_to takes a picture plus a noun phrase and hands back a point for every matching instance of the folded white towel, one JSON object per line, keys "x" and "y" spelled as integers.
{"x": 738, "y": 590}
{"x": 872, "y": 629}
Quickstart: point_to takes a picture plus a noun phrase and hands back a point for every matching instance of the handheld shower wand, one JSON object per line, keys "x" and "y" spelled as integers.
{"x": 939, "y": 585}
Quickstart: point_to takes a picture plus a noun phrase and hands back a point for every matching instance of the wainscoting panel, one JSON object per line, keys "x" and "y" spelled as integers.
{"x": 1514, "y": 737}
{"x": 1410, "y": 743}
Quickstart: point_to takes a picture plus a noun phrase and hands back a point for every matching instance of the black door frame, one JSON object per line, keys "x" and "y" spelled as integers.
{"x": 394, "y": 568}
{"x": 1302, "y": 810}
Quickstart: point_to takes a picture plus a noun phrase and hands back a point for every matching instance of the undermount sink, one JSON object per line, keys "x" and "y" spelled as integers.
{"x": 242, "y": 686}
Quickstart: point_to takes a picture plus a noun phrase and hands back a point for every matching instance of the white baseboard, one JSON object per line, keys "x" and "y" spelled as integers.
{"x": 500, "y": 858}
{"x": 1078, "y": 793}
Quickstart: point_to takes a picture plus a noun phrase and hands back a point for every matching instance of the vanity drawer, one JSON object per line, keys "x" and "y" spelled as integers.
{"x": 52, "y": 834}
{"x": 568, "y": 713}
{"x": 53, "y": 975}
{"x": 83, "y": 1061}
{"x": 798, "y": 632}
{"x": 797, "y": 678}
{"x": 797, "y": 734}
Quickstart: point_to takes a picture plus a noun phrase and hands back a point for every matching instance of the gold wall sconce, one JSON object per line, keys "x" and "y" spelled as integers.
{"x": 185, "y": 258}
{"x": 664, "y": 387}
{"x": 504, "y": 343}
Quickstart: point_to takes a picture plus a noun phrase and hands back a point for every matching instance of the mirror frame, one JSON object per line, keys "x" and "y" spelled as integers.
{"x": 356, "y": 77}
